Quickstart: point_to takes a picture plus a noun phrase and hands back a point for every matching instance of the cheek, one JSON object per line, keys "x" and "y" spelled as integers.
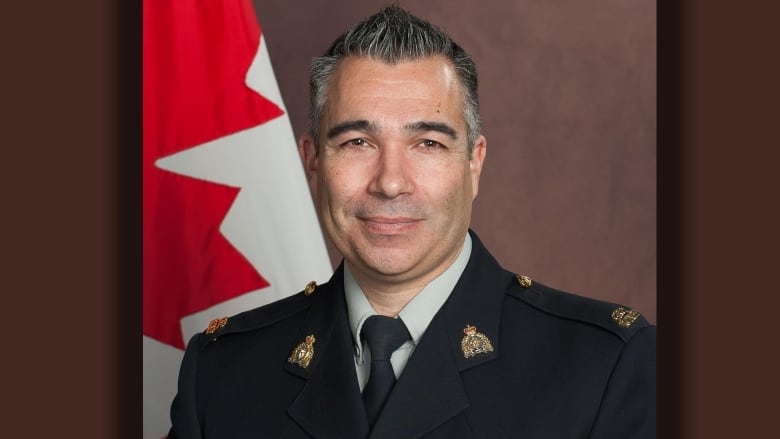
{"x": 449, "y": 193}
{"x": 336, "y": 184}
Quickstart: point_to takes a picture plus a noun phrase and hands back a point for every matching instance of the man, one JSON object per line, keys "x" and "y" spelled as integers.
{"x": 394, "y": 155}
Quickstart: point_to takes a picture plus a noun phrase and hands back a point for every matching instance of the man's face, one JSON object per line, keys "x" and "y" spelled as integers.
{"x": 392, "y": 179}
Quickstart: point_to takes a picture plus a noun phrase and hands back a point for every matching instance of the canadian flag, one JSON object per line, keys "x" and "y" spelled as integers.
{"x": 228, "y": 222}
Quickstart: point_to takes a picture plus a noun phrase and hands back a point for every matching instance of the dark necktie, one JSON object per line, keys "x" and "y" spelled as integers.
{"x": 383, "y": 335}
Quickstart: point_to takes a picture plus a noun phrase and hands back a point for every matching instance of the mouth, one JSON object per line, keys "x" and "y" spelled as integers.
{"x": 389, "y": 225}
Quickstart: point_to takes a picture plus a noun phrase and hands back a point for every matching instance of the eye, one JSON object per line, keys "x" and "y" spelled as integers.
{"x": 431, "y": 144}
{"x": 358, "y": 143}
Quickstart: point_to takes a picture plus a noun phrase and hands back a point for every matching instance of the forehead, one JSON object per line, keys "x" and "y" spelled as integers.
{"x": 369, "y": 89}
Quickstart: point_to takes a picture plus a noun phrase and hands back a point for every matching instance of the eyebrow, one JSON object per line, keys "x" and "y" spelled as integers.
{"x": 359, "y": 125}
{"x": 432, "y": 126}
{"x": 364, "y": 125}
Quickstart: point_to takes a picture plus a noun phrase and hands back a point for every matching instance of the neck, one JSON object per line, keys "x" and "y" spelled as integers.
{"x": 389, "y": 302}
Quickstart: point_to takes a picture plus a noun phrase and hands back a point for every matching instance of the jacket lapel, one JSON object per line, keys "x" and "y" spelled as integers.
{"x": 330, "y": 404}
{"x": 477, "y": 301}
{"x": 429, "y": 391}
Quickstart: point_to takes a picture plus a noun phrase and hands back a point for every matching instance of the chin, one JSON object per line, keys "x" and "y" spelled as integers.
{"x": 388, "y": 265}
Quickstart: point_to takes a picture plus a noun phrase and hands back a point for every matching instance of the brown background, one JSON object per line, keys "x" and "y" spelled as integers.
{"x": 71, "y": 219}
{"x": 568, "y": 98}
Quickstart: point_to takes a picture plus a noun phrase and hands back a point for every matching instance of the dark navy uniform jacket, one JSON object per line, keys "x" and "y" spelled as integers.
{"x": 561, "y": 367}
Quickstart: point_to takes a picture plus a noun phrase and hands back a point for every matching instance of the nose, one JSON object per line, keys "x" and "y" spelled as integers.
{"x": 393, "y": 174}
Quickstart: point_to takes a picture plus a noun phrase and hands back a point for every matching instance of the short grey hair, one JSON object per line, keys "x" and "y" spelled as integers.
{"x": 393, "y": 35}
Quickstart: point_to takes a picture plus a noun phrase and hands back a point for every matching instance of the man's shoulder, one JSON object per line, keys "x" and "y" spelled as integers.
{"x": 257, "y": 318}
{"x": 617, "y": 319}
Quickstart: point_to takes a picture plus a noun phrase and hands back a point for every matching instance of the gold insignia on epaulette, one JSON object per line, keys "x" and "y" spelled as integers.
{"x": 216, "y": 324}
{"x": 310, "y": 287}
{"x": 625, "y": 317}
{"x": 303, "y": 353}
{"x": 524, "y": 281}
{"x": 474, "y": 342}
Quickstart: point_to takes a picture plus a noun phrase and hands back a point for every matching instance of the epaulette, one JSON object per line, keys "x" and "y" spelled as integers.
{"x": 256, "y": 318}
{"x": 619, "y": 320}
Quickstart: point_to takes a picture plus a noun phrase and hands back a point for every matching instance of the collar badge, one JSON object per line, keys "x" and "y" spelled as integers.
{"x": 303, "y": 353}
{"x": 474, "y": 343}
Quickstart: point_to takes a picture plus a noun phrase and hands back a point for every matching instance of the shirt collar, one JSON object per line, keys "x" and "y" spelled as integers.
{"x": 418, "y": 313}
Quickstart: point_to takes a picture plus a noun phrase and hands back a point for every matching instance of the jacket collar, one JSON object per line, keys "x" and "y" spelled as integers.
{"x": 477, "y": 301}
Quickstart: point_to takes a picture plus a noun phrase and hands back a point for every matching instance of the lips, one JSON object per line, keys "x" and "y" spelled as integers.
{"x": 389, "y": 225}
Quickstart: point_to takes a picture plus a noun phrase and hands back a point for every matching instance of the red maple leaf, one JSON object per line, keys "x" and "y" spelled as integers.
{"x": 195, "y": 62}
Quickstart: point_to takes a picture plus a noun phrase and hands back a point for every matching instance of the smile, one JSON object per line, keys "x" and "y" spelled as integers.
{"x": 389, "y": 225}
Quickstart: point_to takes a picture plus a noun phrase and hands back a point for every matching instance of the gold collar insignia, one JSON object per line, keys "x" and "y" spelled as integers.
{"x": 303, "y": 353}
{"x": 474, "y": 342}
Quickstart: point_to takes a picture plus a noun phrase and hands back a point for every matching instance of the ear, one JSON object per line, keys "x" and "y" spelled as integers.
{"x": 308, "y": 151}
{"x": 475, "y": 164}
